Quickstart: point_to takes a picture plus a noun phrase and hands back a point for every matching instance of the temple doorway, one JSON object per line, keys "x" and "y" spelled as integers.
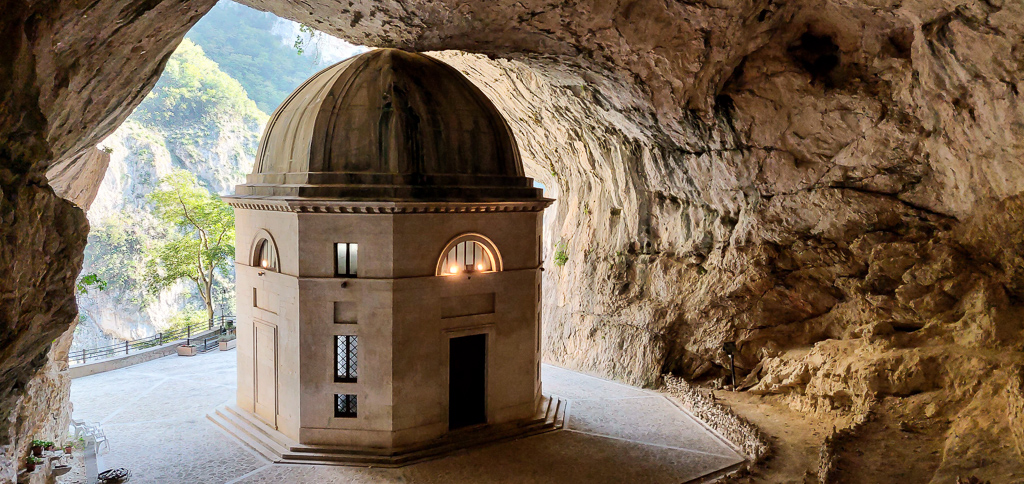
{"x": 467, "y": 381}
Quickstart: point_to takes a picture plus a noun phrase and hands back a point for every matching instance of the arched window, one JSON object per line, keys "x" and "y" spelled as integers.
{"x": 264, "y": 253}
{"x": 470, "y": 253}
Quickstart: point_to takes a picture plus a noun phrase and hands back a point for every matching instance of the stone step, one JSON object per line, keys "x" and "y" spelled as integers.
{"x": 277, "y": 447}
{"x": 238, "y": 430}
{"x": 265, "y": 431}
{"x": 422, "y": 453}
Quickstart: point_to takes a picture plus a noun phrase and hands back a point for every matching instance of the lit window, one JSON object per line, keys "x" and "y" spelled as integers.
{"x": 344, "y": 406}
{"x": 265, "y": 255}
{"x": 469, "y": 253}
{"x": 346, "y": 356}
{"x": 346, "y": 259}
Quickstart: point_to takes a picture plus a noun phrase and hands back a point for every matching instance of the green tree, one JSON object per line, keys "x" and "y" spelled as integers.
{"x": 90, "y": 281}
{"x": 200, "y": 236}
{"x": 193, "y": 91}
{"x": 266, "y": 67}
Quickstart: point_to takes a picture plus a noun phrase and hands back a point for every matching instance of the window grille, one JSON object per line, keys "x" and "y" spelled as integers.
{"x": 468, "y": 253}
{"x": 266, "y": 255}
{"x": 346, "y": 358}
{"x": 344, "y": 406}
{"x": 468, "y": 256}
{"x": 346, "y": 259}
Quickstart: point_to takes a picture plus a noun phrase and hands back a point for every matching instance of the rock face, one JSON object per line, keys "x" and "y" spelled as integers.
{"x": 832, "y": 184}
{"x": 68, "y": 75}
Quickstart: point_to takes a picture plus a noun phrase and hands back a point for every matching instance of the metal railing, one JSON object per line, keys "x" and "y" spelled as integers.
{"x": 178, "y": 334}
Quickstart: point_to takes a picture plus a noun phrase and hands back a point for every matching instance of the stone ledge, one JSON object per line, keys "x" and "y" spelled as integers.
{"x": 745, "y": 436}
{"x": 130, "y": 359}
{"x": 278, "y": 448}
{"x": 338, "y": 206}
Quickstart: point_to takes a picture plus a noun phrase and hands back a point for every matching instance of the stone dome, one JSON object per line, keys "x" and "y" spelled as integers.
{"x": 388, "y": 125}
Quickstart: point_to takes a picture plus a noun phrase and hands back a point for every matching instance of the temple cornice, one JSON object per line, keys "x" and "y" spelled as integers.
{"x": 372, "y": 207}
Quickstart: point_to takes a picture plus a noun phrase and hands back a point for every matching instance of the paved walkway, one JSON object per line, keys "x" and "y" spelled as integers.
{"x": 154, "y": 415}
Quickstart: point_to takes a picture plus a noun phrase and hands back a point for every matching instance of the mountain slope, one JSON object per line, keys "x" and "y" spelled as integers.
{"x": 197, "y": 118}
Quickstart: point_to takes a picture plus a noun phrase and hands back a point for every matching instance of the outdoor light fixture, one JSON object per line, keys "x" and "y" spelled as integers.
{"x": 479, "y": 267}
{"x": 730, "y": 349}
{"x": 265, "y": 263}
{"x": 455, "y": 270}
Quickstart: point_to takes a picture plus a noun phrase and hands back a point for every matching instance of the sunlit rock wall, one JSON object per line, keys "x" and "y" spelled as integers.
{"x": 832, "y": 184}
{"x": 69, "y": 74}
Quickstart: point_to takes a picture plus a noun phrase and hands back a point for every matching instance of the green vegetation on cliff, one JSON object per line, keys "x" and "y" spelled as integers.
{"x": 204, "y": 116}
{"x": 249, "y": 51}
{"x": 113, "y": 254}
{"x": 194, "y": 94}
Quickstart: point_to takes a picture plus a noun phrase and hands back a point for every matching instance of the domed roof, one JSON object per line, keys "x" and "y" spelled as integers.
{"x": 388, "y": 125}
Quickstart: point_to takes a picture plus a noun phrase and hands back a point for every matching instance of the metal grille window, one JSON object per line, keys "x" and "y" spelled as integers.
{"x": 469, "y": 256}
{"x": 344, "y": 406}
{"x": 346, "y": 259}
{"x": 266, "y": 255}
{"x": 346, "y": 356}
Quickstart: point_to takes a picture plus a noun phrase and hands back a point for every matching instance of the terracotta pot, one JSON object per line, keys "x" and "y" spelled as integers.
{"x": 37, "y": 450}
{"x": 49, "y": 447}
{"x": 68, "y": 449}
{"x": 30, "y": 466}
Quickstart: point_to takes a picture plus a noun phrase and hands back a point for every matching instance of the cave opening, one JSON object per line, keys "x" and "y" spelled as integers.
{"x": 817, "y": 54}
{"x": 866, "y": 268}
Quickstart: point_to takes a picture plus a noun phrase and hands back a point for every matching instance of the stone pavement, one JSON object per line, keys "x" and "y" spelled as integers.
{"x": 154, "y": 415}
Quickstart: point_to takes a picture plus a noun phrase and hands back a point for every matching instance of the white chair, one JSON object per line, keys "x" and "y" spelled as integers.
{"x": 94, "y": 432}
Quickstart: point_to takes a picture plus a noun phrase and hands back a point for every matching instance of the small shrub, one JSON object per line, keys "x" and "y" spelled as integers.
{"x": 561, "y": 256}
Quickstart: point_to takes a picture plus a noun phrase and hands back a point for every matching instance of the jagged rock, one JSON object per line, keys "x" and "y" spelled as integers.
{"x": 833, "y": 184}
{"x": 77, "y": 179}
{"x": 37, "y": 305}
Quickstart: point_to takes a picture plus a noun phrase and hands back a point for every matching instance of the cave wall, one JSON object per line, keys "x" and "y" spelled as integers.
{"x": 832, "y": 184}
{"x": 716, "y": 163}
{"x": 70, "y": 72}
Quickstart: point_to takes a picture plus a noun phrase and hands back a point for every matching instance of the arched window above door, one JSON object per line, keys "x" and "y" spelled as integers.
{"x": 469, "y": 253}
{"x": 264, "y": 252}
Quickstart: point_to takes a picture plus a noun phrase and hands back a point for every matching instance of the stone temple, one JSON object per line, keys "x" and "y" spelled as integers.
{"x": 388, "y": 269}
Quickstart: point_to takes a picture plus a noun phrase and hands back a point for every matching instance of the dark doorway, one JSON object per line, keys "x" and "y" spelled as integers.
{"x": 467, "y": 370}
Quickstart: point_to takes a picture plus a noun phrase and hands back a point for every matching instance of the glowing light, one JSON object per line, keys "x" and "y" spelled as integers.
{"x": 479, "y": 267}
{"x": 454, "y": 270}
{"x": 264, "y": 263}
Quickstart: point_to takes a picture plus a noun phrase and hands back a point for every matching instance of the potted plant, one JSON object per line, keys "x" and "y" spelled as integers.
{"x": 69, "y": 447}
{"x": 48, "y": 446}
{"x": 227, "y": 341}
{"x": 32, "y": 462}
{"x": 186, "y": 350}
{"x": 37, "y": 447}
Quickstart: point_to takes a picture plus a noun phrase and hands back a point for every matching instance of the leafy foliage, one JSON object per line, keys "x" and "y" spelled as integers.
{"x": 185, "y": 318}
{"x": 114, "y": 255}
{"x": 561, "y": 256}
{"x": 193, "y": 91}
{"x": 199, "y": 236}
{"x": 90, "y": 280}
{"x": 307, "y": 35}
{"x": 248, "y": 51}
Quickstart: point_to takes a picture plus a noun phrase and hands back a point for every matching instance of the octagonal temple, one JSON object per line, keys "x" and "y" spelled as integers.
{"x": 388, "y": 270}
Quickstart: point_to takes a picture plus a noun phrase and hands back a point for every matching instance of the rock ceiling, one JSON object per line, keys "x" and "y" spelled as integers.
{"x": 832, "y": 184}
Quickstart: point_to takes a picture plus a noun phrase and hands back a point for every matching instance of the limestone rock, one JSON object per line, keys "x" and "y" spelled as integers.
{"x": 37, "y": 291}
{"x": 77, "y": 179}
{"x": 834, "y": 185}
